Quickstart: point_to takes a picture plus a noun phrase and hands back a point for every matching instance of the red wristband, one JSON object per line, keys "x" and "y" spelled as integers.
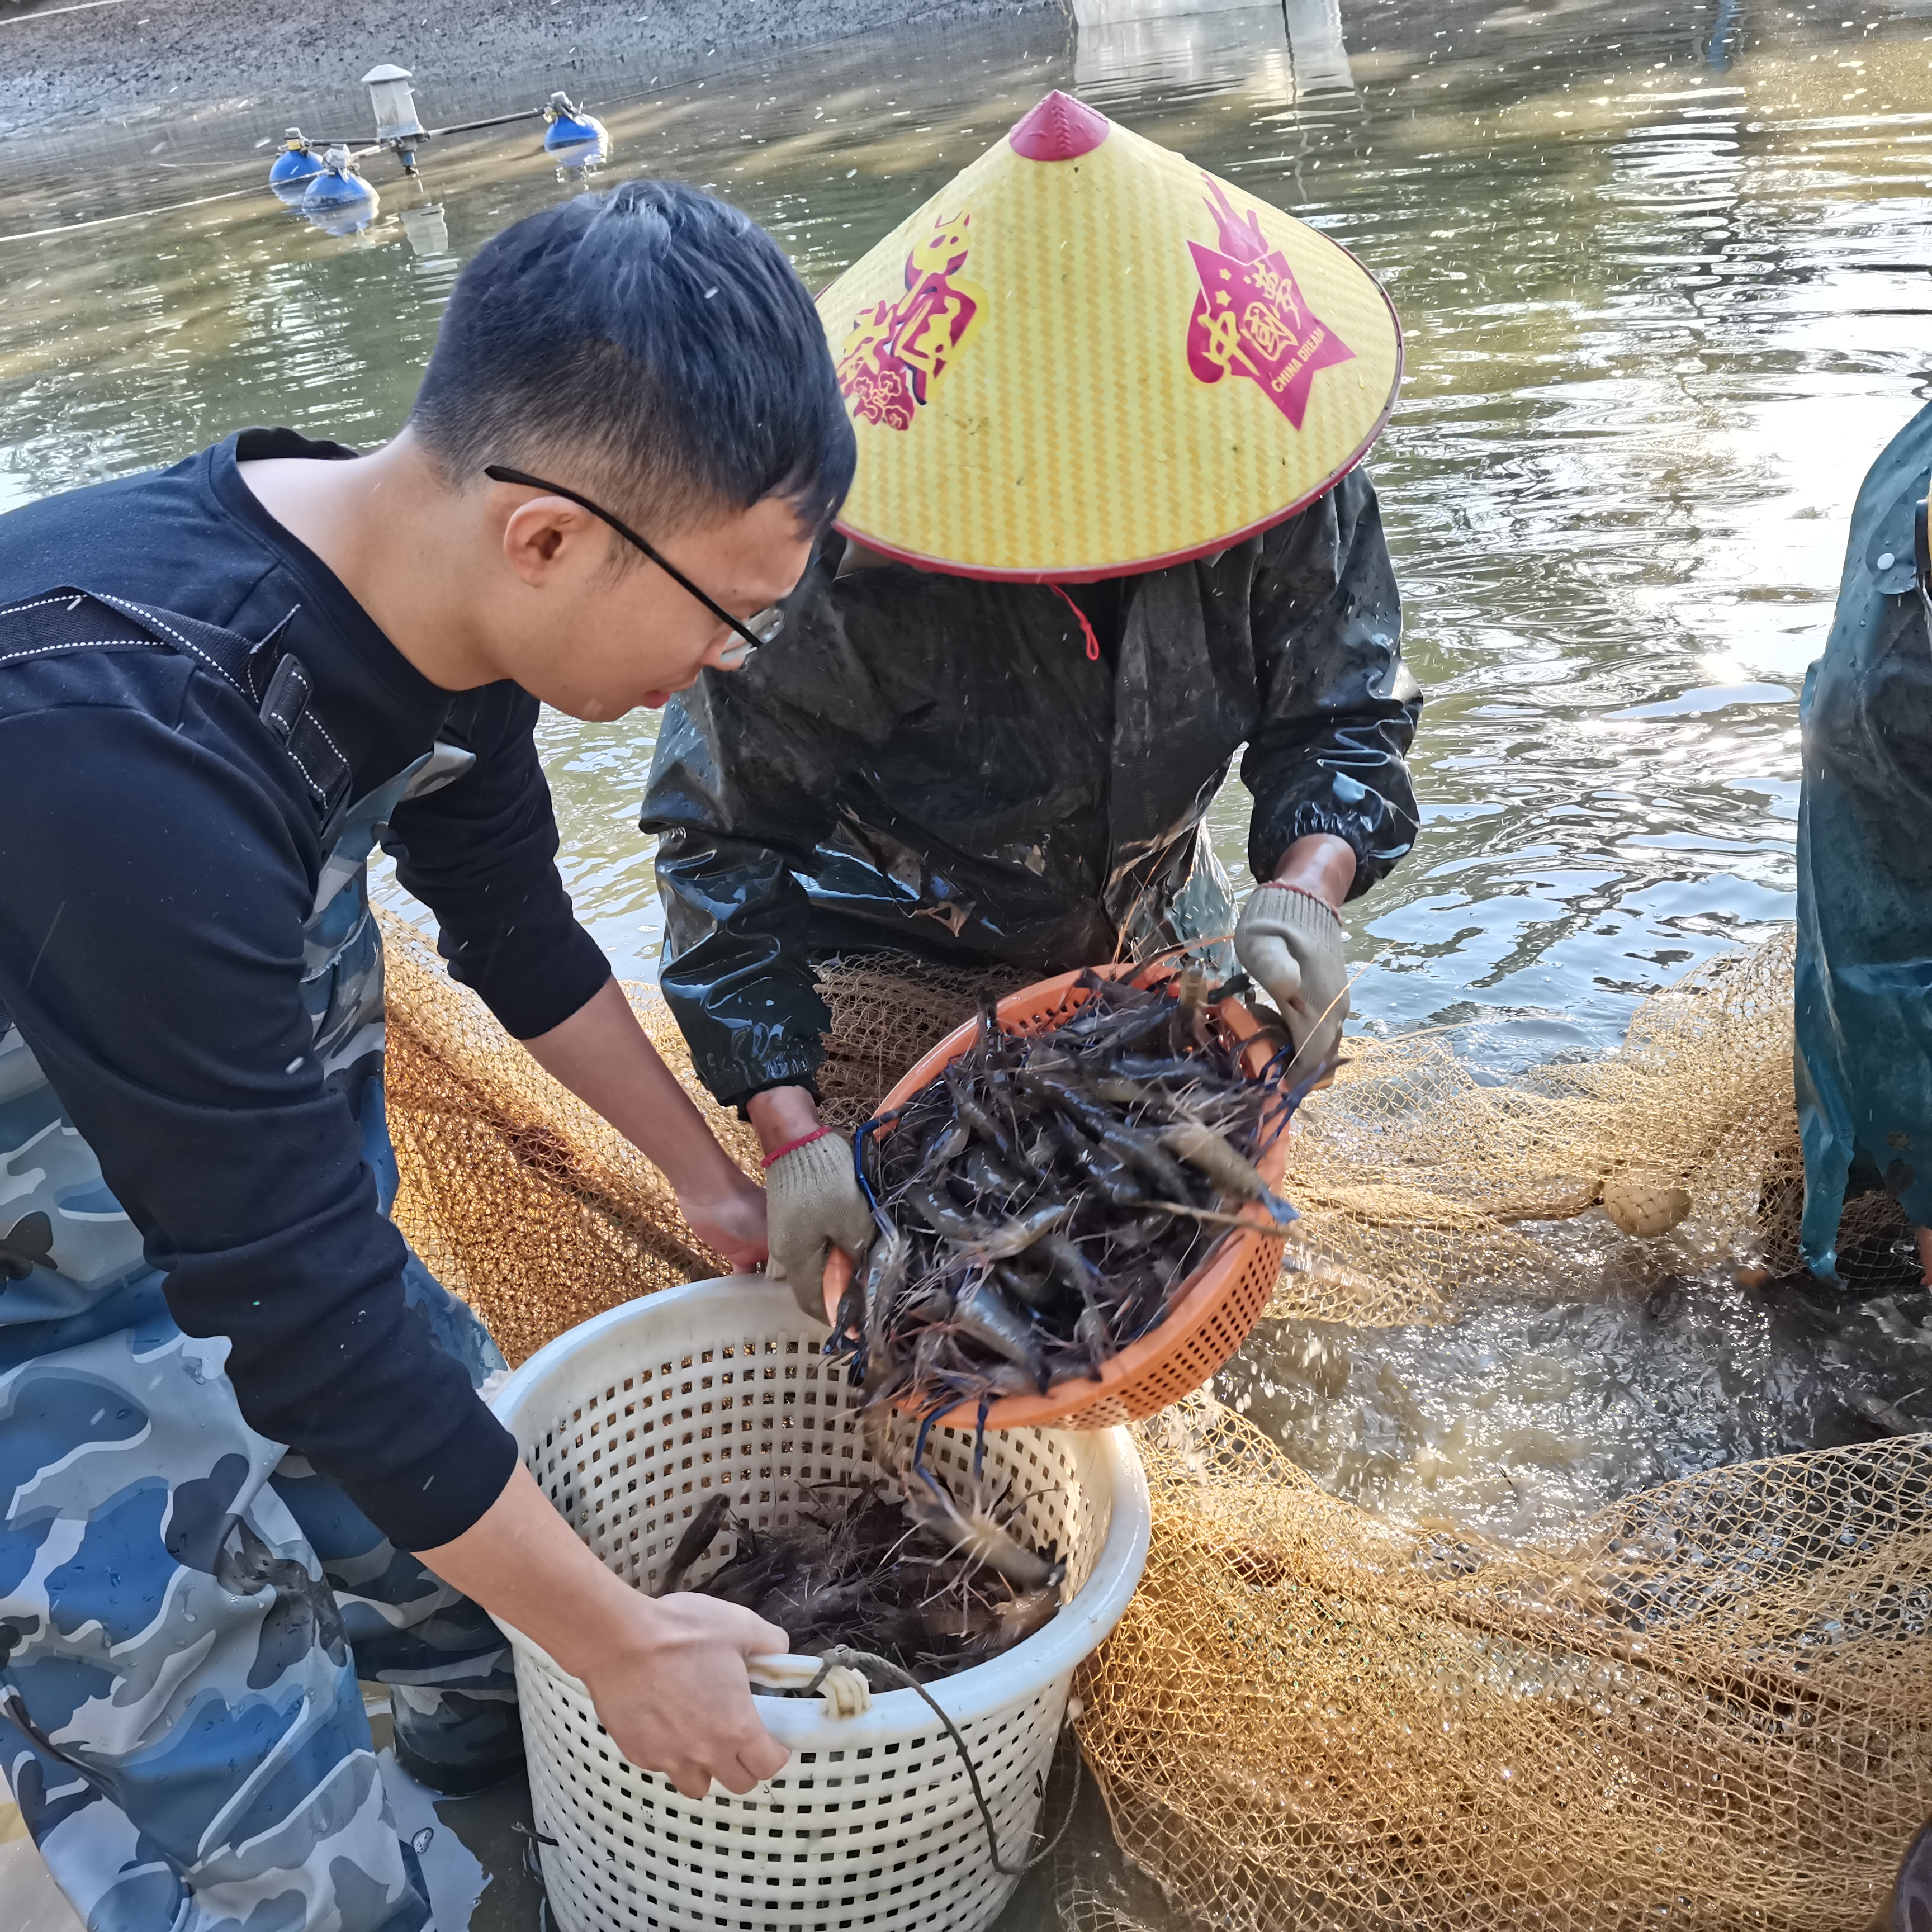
{"x": 792, "y": 1146}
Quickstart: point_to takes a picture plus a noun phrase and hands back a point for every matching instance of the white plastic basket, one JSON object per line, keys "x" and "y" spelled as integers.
{"x": 630, "y": 1423}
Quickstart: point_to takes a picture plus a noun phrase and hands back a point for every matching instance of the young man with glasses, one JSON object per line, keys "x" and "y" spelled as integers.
{"x": 242, "y": 1460}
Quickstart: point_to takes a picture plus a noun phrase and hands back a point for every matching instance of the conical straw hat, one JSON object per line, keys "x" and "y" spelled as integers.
{"x": 1086, "y": 357}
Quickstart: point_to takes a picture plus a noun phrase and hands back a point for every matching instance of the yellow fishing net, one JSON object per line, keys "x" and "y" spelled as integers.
{"x": 886, "y": 1011}
{"x": 1418, "y": 1176}
{"x": 1710, "y": 1704}
{"x": 518, "y": 1197}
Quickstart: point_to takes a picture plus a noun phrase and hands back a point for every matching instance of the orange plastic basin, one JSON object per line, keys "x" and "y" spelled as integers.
{"x": 1219, "y": 1303}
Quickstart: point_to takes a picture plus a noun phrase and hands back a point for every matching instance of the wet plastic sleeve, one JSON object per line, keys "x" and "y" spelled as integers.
{"x": 741, "y": 790}
{"x": 1338, "y": 706}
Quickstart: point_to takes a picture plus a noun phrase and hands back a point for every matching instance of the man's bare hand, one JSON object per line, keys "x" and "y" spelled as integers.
{"x": 680, "y": 1702}
{"x": 666, "y": 1674}
{"x": 731, "y": 1218}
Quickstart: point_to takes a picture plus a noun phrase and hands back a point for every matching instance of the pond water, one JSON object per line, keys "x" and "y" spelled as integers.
{"x": 1664, "y": 275}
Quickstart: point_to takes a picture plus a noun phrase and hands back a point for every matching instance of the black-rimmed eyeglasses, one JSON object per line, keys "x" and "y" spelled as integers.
{"x": 761, "y": 628}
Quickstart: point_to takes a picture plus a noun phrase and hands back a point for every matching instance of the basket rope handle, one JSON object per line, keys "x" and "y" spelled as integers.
{"x": 812, "y": 1674}
{"x": 846, "y": 1692}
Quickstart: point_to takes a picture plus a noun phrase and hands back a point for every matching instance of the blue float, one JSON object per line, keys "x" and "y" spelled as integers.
{"x": 328, "y": 189}
{"x": 338, "y": 200}
{"x": 573, "y": 137}
{"x": 294, "y": 168}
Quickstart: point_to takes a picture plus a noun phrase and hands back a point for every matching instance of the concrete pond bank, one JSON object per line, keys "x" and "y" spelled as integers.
{"x": 72, "y": 71}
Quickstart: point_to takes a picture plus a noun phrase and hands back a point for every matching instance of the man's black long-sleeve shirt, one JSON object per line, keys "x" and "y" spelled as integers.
{"x": 155, "y": 871}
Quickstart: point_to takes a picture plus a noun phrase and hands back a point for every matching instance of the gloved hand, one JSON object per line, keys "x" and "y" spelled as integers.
{"x": 815, "y": 1204}
{"x": 1289, "y": 943}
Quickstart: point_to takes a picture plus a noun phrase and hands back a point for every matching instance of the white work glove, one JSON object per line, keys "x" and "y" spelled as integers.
{"x": 1289, "y": 943}
{"x": 813, "y": 1203}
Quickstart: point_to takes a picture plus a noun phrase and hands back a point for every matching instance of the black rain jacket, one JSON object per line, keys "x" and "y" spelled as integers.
{"x": 936, "y": 765}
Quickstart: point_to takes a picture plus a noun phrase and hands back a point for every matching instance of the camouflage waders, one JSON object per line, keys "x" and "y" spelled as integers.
{"x": 185, "y": 1607}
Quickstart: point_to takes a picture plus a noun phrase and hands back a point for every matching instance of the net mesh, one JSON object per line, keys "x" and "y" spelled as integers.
{"x": 1420, "y": 1177}
{"x": 889, "y": 1010}
{"x": 1708, "y": 1704}
{"x": 517, "y": 1196}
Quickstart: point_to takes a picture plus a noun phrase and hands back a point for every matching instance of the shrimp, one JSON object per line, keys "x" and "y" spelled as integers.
{"x": 1202, "y": 1147}
{"x": 976, "y": 1535}
{"x": 982, "y": 1313}
{"x": 983, "y": 1122}
{"x": 1008, "y": 1238}
{"x": 700, "y": 1535}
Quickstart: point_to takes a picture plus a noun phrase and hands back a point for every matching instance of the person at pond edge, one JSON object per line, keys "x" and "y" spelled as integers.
{"x": 242, "y": 1456}
{"x": 1108, "y": 526}
{"x": 1865, "y": 870}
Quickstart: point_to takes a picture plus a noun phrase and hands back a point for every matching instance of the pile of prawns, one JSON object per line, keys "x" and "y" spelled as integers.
{"x": 1046, "y": 1202}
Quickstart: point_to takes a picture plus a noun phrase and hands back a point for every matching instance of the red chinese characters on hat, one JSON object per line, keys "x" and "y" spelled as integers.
{"x": 897, "y": 350}
{"x": 1250, "y": 316}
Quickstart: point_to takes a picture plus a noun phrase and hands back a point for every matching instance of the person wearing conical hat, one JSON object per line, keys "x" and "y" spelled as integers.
{"x": 1108, "y": 528}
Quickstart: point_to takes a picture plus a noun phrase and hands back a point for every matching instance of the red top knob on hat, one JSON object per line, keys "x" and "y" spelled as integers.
{"x": 1060, "y": 129}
